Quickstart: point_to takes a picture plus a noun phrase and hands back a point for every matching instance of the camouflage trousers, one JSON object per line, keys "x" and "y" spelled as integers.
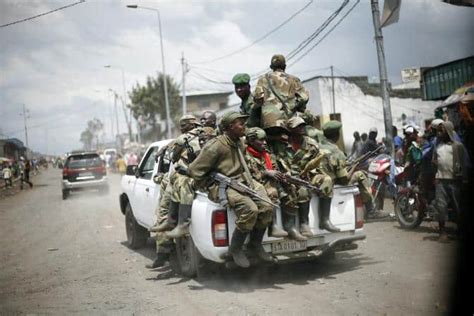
{"x": 250, "y": 213}
{"x": 163, "y": 243}
{"x": 183, "y": 189}
{"x": 326, "y": 183}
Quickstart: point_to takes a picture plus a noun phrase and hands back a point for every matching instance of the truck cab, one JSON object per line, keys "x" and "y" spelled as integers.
{"x": 212, "y": 225}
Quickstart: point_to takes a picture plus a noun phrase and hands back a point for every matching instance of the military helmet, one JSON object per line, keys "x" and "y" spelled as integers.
{"x": 278, "y": 61}
{"x": 229, "y": 117}
{"x": 188, "y": 119}
{"x": 295, "y": 121}
{"x": 255, "y": 132}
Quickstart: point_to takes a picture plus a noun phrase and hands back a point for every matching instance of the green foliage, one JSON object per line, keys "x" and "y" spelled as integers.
{"x": 91, "y": 133}
{"x": 148, "y": 101}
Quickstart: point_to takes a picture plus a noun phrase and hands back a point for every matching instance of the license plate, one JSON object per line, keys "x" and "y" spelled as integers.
{"x": 85, "y": 176}
{"x": 285, "y": 246}
{"x": 373, "y": 176}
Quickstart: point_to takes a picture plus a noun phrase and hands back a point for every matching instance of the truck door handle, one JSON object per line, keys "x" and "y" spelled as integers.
{"x": 147, "y": 189}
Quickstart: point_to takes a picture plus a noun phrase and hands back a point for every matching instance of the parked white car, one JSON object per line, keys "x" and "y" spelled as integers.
{"x": 212, "y": 225}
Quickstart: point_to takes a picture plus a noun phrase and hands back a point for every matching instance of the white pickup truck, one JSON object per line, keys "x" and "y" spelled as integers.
{"x": 212, "y": 225}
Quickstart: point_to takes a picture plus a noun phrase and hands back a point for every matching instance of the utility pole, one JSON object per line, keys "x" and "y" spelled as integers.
{"x": 387, "y": 112}
{"x": 184, "y": 67}
{"x": 332, "y": 90}
{"x": 116, "y": 112}
{"x": 25, "y": 112}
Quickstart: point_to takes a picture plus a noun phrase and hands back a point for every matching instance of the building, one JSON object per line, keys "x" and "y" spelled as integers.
{"x": 199, "y": 101}
{"x": 439, "y": 82}
{"x": 12, "y": 148}
{"x": 359, "y": 104}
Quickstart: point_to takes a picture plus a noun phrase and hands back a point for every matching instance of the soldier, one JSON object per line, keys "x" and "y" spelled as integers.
{"x": 179, "y": 187}
{"x": 278, "y": 93}
{"x": 241, "y": 83}
{"x": 332, "y": 169}
{"x": 224, "y": 154}
{"x": 302, "y": 149}
{"x": 164, "y": 245}
{"x": 208, "y": 118}
{"x": 264, "y": 171}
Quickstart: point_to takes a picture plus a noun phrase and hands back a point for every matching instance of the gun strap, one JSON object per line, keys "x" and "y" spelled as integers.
{"x": 269, "y": 82}
{"x": 247, "y": 175}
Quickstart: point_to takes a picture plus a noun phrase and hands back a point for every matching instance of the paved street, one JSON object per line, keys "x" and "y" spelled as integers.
{"x": 63, "y": 257}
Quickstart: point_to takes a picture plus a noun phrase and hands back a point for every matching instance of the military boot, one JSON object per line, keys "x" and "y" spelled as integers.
{"x": 160, "y": 260}
{"x": 235, "y": 248}
{"x": 276, "y": 231}
{"x": 183, "y": 222}
{"x": 324, "y": 211}
{"x": 303, "y": 213}
{"x": 255, "y": 245}
{"x": 289, "y": 223}
{"x": 170, "y": 222}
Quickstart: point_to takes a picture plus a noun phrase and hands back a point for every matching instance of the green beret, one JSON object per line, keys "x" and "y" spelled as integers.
{"x": 331, "y": 125}
{"x": 230, "y": 117}
{"x": 295, "y": 121}
{"x": 241, "y": 79}
{"x": 255, "y": 132}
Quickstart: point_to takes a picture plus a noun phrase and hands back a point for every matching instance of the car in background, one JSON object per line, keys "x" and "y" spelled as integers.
{"x": 84, "y": 170}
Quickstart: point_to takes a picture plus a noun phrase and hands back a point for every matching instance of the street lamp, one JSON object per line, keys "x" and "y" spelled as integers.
{"x": 167, "y": 106}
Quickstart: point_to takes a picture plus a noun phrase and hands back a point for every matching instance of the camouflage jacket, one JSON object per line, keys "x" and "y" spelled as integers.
{"x": 249, "y": 107}
{"x": 333, "y": 163}
{"x": 257, "y": 166}
{"x": 185, "y": 146}
{"x": 289, "y": 89}
{"x": 308, "y": 150}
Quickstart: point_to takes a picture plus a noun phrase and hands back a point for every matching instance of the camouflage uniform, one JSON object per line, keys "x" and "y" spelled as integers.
{"x": 288, "y": 88}
{"x": 332, "y": 169}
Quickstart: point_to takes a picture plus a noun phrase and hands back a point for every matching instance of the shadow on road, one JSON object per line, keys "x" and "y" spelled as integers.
{"x": 218, "y": 278}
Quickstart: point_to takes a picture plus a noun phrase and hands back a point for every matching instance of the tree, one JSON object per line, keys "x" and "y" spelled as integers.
{"x": 148, "y": 102}
{"x": 91, "y": 133}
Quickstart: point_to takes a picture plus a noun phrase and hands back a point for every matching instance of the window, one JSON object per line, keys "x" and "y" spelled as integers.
{"x": 146, "y": 168}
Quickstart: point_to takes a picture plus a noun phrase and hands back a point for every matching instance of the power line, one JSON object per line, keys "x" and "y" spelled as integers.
{"x": 42, "y": 14}
{"x": 260, "y": 38}
{"x": 325, "y": 35}
{"x": 318, "y": 31}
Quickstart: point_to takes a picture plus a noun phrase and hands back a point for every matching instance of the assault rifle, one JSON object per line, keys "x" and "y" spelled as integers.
{"x": 299, "y": 182}
{"x": 226, "y": 182}
{"x": 352, "y": 165}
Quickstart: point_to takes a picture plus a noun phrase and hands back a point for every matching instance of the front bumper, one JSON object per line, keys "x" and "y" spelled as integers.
{"x": 67, "y": 185}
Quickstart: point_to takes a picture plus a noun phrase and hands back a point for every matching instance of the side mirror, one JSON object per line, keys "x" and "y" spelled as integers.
{"x": 131, "y": 170}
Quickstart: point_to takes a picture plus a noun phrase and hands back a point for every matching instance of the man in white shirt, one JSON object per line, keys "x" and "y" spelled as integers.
{"x": 7, "y": 175}
{"x": 451, "y": 174}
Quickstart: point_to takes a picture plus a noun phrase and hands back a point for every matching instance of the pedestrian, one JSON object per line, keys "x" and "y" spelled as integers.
{"x": 208, "y": 118}
{"x": 120, "y": 164}
{"x": 357, "y": 146}
{"x": 7, "y": 175}
{"x": 452, "y": 172}
{"x": 371, "y": 143}
{"x": 25, "y": 168}
{"x": 397, "y": 140}
{"x": 132, "y": 159}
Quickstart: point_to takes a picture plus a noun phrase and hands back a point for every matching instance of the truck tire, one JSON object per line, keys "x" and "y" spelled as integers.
{"x": 65, "y": 194}
{"x": 136, "y": 234}
{"x": 189, "y": 259}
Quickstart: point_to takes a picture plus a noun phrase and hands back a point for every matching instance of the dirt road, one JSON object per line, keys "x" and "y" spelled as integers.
{"x": 63, "y": 257}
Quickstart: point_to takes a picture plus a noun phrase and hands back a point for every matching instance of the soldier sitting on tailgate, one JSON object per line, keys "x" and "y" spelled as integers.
{"x": 264, "y": 170}
{"x": 224, "y": 154}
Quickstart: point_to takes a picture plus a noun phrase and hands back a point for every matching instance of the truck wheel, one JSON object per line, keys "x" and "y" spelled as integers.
{"x": 136, "y": 234}
{"x": 189, "y": 258}
{"x": 65, "y": 194}
{"x": 408, "y": 210}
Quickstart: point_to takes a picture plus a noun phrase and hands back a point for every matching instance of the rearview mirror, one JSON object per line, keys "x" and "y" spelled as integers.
{"x": 131, "y": 170}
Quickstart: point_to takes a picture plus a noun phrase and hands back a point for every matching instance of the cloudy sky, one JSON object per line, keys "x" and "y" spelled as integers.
{"x": 54, "y": 64}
